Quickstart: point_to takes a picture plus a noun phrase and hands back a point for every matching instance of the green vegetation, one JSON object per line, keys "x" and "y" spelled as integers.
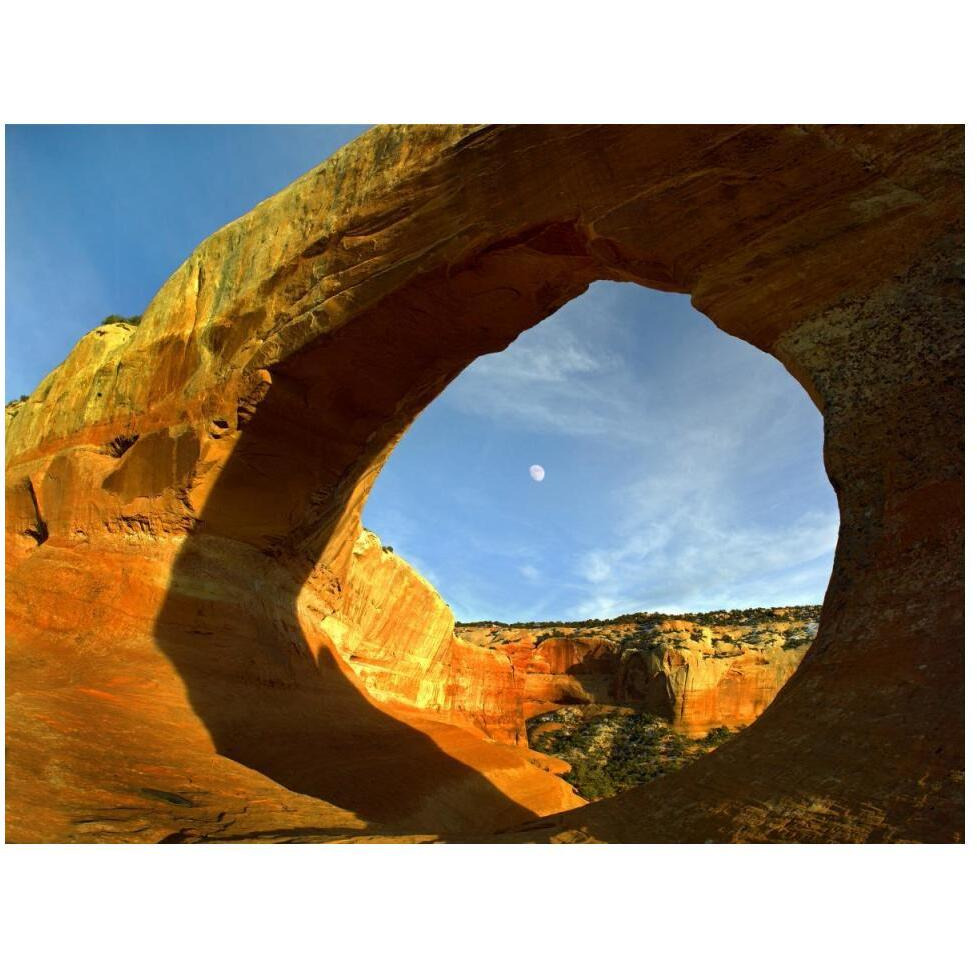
{"x": 17, "y": 400}
{"x": 796, "y": 638}
{"x": 592, "y": 780}
{"x": 545, "y": 636}
{"x": 614, "y": 749}
{"x": 132, "y": 320}
{"x": 718, "y": 735}
{"x": 736, "y": 618}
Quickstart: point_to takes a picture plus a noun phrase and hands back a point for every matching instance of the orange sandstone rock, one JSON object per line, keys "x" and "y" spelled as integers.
{"x": 405, "y": 649}
{"x": 190, "y": 640}
{"x": 696, "y": 677}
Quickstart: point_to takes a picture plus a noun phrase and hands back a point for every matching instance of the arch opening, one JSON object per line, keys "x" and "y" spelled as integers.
{"x": 673, "y": 453}
{"x": 684, "y": 481}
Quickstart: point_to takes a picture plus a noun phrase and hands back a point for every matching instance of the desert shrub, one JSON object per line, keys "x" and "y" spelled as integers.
{"x": 132, "y": 320}
{"x": 648, "y": 619}
{"x": 796, "y": 639}
{"x": 613, "y": 750}
{"x": 718, "y": 735}
{"x": 591, "y": 780}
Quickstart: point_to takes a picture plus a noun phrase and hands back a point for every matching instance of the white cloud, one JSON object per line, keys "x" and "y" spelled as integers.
{"x": 595, "y": 567}
{"x": 690, "y": 534}
{"x": 541, "y": 361}
{"x": 712, "y": 493}
{"x": 689, "y": 552}
{"x": 560, "y": 377}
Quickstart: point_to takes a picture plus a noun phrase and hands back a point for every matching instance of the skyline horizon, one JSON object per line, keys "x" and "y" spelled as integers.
{"x": 628, "y": 614}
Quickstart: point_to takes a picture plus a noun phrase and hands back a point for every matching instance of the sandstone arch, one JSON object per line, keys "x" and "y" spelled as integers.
{"x": 274, "y": 372}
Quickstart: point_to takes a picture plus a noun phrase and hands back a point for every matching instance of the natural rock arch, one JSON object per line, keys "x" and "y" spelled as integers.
{"x": 274, "y": 372}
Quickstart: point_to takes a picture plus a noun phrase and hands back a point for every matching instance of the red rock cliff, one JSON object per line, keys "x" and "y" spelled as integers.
{"x": 695, "y": 676}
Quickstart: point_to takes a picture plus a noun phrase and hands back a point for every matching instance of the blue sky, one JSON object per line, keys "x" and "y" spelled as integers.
{"x": 683, "y": 467}
{"x": 99, "y": 216}
{"x": 683, "y": 472}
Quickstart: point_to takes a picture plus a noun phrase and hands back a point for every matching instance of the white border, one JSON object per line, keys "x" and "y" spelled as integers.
{"x": 488, "y": 910}
{"x": 506, "y": 61}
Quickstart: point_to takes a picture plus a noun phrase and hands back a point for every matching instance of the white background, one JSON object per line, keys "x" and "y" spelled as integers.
{"x": 183, "y": 911}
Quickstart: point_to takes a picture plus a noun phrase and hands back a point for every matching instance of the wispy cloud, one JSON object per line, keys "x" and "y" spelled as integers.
{"x": 561, "y": 377}
{"x": 680, "y": 544}
{"x": 683, "y": 471}
{"x": 705, "y": 567}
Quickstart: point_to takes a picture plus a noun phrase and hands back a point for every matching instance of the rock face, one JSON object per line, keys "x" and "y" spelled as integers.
{"x": 696, "y": 677}
{"x": 183, "y": 497}
{"x": 404, "y": 649}
{"x": 563, "y": 669}
{"x": 251, "y": 726}
{"x": 700, "y": 680}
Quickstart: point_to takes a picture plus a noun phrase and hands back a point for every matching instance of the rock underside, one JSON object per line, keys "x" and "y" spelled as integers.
{"x": 202, "y": 642}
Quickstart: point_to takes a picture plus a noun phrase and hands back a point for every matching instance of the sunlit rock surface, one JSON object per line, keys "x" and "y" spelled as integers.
{"x": 189, "y": 640}
{"x": 696, "y": 676}
{"x": 404, "y": 649}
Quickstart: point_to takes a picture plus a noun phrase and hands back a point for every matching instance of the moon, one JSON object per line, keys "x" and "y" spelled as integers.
{"x": 537, "y": 473}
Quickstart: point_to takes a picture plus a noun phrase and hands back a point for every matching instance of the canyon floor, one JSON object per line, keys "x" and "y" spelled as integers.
{"x": 342, "y": 725}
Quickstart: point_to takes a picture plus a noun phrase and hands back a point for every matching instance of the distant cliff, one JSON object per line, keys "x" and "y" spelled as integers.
{"x": 399, "y": 638}
{"x": 696, "y": 675}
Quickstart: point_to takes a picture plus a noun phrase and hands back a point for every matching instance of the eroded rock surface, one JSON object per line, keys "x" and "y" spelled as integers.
{"x": 183, "y": 497}
{"x": 404, "y": 649}
{"x": 696, "y": 676}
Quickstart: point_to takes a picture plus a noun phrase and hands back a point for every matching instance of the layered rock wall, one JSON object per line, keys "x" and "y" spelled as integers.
{"x": 404, "y": 649}
{"x": 695, "y": 676}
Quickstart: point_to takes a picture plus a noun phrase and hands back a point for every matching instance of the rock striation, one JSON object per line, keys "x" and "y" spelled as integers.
{"x": 190, "y": 638}
{"x": 695, "y": 676}
{"x": 405, "y": 650}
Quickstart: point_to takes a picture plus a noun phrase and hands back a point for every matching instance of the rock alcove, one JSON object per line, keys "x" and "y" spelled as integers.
{"x": 172, "y": 634}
